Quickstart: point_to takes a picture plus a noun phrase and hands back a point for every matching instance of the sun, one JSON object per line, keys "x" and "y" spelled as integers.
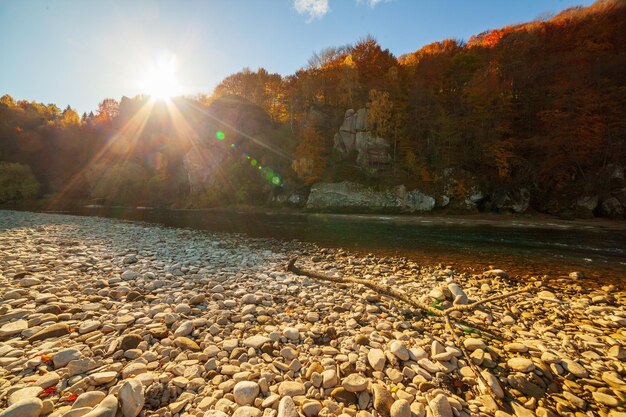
{"x": 159, "y": 81}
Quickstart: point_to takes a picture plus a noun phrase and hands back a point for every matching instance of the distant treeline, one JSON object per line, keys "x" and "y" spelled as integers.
{"x": 539, "y": 105}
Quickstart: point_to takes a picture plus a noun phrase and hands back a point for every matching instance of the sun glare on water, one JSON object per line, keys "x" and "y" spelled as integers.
{"x": 159, "y": 81}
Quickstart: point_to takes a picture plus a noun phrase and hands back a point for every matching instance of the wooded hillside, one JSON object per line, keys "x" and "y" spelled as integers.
{"x": 537, "y": 107}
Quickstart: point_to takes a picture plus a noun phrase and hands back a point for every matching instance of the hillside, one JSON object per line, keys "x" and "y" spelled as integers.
{"x": 528, "y": 117}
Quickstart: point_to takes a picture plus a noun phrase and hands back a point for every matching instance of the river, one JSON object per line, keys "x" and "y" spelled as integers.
{"x": 520, "y": 247}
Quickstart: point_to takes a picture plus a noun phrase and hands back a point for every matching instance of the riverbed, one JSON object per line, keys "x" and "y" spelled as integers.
{"x": 105, "y": 317}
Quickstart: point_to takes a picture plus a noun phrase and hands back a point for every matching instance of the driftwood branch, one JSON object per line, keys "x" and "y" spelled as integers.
{"x": 398, "y": 295}
{"x": 404, "y": 297}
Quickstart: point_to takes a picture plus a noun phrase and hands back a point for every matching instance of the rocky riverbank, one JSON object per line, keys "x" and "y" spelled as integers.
{"x": 102, "y": 318}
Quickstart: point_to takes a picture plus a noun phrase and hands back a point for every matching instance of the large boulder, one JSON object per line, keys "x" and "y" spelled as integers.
{"x": 621, "y": 196}
{"x": 516, "y": 200}
{"x": 586, "y": 205}
{"x": 461, "y": 190}
{"x": 357, "y": 197}
{"x": 418, "y": 201}
{"x": 611, "y": 208}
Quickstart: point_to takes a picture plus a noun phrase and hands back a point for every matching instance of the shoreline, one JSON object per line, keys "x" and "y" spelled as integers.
{"x": 106, "y": 313}
{"x": 534, "y": 219}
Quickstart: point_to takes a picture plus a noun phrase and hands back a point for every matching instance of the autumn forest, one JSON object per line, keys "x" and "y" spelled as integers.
{"x": 530, "y": 115}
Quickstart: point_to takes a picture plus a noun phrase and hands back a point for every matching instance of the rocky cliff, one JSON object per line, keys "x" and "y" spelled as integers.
{"x": 355, "y": 135}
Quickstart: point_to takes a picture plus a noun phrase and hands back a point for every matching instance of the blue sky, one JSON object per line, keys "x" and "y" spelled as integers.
{"x": 79, "y": 52}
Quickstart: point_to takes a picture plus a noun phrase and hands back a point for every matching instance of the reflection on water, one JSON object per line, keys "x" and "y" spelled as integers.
{"x": 519, "y": 250}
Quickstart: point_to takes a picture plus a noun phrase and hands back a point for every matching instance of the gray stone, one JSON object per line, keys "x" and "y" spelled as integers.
{"x": 130, "y": 341}
{"x": 349, "y": 195}
{"x": 382, "y": 399}
{"x": 184, "y": 329}
{"x": 23, "y": 394}
{"x": 399, "y": 350}
{"x": 256, "y": 341}
{"x": 106, "y": 408}
{"x": 89, "y": 399}
{"x": 400, "y": 408}
{"x": 54, "y": 330}
{"x": 291, "y": 388}
{"x": 521, "y": 364}
{"x": 63, "y": 357}
{"x": 247, "y": 411}
{"x": 376, "y": 358}
{"x": 440, "y": 406}
{"x": 245, "y": 392}
{"x": 28, "y": 407}
{"x": 13, "y": 328}
{"x": 287, "y": 408}
{"x": 131, "y": 397}
{"x": 355, "y": 383}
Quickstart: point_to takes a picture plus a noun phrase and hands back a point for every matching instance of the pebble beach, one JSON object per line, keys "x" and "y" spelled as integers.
{"x": 106, "y": 318}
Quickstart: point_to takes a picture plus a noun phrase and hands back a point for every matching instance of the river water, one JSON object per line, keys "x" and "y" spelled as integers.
{"x": 517, "y": 246}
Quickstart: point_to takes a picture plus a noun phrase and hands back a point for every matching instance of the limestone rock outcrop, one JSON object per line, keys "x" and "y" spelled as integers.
{"x": 355, "y": 135}
{"x": 352, "y": 196}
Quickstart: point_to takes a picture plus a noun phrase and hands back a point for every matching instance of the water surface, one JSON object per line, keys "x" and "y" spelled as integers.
{"x": 517, "y": 246}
